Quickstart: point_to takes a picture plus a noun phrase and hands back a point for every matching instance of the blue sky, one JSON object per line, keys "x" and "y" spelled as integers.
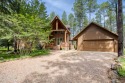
{"x": 58, "y": 6}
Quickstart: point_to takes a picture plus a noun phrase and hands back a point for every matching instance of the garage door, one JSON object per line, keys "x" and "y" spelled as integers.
{"x": 98, "y": 45}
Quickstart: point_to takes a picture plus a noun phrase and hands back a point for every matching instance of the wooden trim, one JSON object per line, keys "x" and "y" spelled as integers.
{"x": 77, "y": 44}
{"x": 114, "y": 45}
{"x": 65, "y": 36}
{"x": 97, "y": 39}
{"x": 56, "y": 24}
{"x": 59, "y": 30}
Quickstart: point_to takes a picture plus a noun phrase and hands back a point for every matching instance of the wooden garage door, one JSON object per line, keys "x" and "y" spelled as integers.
{"x": 98, "y": 45}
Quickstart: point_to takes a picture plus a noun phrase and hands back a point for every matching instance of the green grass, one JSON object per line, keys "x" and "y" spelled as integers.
{"x": 5, "y": 48}
{"x": 124, "y": 52}
{"x": 6, "y": 56}
{"x": 121, "y": 71}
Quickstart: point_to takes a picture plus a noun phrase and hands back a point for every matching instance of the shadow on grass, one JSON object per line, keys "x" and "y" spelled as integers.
{"x": 7, "y": 56}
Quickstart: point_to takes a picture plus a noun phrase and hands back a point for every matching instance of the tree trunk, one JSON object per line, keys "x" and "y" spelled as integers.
{"x": 8, "y": 45}
{"x": 116, "y": 11}
{"x": 120, "y": 28}
{"x": 104, "y": 20}
{"x": 73, "y": 31}
{"x": 89, "y": 17}
{"x": 111, "y": 24}
{"x": 15, "y": 45}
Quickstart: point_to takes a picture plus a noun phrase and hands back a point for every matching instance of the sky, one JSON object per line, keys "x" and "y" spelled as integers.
{"x": 58, "y": 6}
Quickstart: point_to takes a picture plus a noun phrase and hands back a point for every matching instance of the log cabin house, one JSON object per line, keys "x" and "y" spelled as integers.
{"x": 60, "y": 35}
{"x": 96, "y": 38}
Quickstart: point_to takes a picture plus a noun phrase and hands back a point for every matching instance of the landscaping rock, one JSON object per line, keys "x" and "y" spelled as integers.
{"x": 114, "y": 66}
{"x": 115, "y": 81}
{"x": 113, "y": 74}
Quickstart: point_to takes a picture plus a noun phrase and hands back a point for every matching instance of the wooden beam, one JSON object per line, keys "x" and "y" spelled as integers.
{"x": 65, "y": 36}
{"x": 56, "y": 24}
{"x": 59, "y": 30}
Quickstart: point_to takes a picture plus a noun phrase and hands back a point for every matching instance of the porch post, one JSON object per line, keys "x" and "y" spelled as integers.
{"x": 56, "y": 24}
{"x": 65, "y": 37}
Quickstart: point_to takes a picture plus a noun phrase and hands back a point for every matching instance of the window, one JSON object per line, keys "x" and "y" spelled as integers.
{"x": 59, "y": 40}
{"x": 55, "y": 32}
{"x": 62, "y": 32}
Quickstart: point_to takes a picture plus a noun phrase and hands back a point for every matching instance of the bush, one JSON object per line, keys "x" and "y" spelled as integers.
{"x": 124, "y": 51}
{"x": 121, "y": 71}
{"x": 7, "y": 56}
{"x": 39, "y": 52}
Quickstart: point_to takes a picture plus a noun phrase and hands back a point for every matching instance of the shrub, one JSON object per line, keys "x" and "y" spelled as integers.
{"x": 121, "y": 71}
{"x": 5, "y": 56}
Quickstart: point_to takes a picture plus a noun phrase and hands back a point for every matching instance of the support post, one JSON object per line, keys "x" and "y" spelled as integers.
{"x": 56, "y": 24}
{"x": 65, "y": 37}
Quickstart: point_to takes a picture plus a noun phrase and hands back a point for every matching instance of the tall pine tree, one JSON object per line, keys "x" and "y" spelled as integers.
{"x": 91, "y": 7}
{"x": 79, "y": 11}
{"x": 52, "y": 15}
{"x": 64, "y": 18}
{"x": 71, "y": 23}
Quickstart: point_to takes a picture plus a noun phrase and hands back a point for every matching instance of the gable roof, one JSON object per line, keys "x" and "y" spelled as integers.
{"x": 93, "y": 23}
{"x": 56, "y": 17}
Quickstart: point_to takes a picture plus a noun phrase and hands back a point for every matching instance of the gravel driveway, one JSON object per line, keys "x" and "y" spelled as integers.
{"x": 59, "y": 67}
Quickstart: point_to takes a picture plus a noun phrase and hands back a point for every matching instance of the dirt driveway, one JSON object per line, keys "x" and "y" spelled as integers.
{"x": 59, "y": 67}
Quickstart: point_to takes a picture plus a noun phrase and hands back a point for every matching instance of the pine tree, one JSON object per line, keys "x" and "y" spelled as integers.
{"x": 91, "y": 7}
{"x": 27, "y": 22}
{"x": 85, "y": 21}
{"x": 79, "y": 11}
{"x": 64, "y": 18}
{"x": 98, "y": 17}
{"x": 70, "y": 20}
{"x": 52, "y": 15}
{"x": 71, "y": 23}
{"x": 103, "y": 8}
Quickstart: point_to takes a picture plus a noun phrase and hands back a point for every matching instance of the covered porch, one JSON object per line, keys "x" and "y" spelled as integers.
{"x": 59, "y": 40}
{"x": 60, "y": 35}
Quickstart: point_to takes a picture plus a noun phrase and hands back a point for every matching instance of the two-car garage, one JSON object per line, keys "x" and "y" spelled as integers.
{"x": 99, "y": 45}
{"x": 96, "y": 38}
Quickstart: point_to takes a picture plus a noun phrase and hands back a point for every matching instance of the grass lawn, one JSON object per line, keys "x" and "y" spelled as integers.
{"x": 124, "y": 52}
{"x": 6, "y": 56}
{"x": 122, "y": 61}
{"x": 122, "y": 70}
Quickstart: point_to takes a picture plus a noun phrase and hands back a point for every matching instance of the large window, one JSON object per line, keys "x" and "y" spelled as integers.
{"x": 59, "y": 40}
